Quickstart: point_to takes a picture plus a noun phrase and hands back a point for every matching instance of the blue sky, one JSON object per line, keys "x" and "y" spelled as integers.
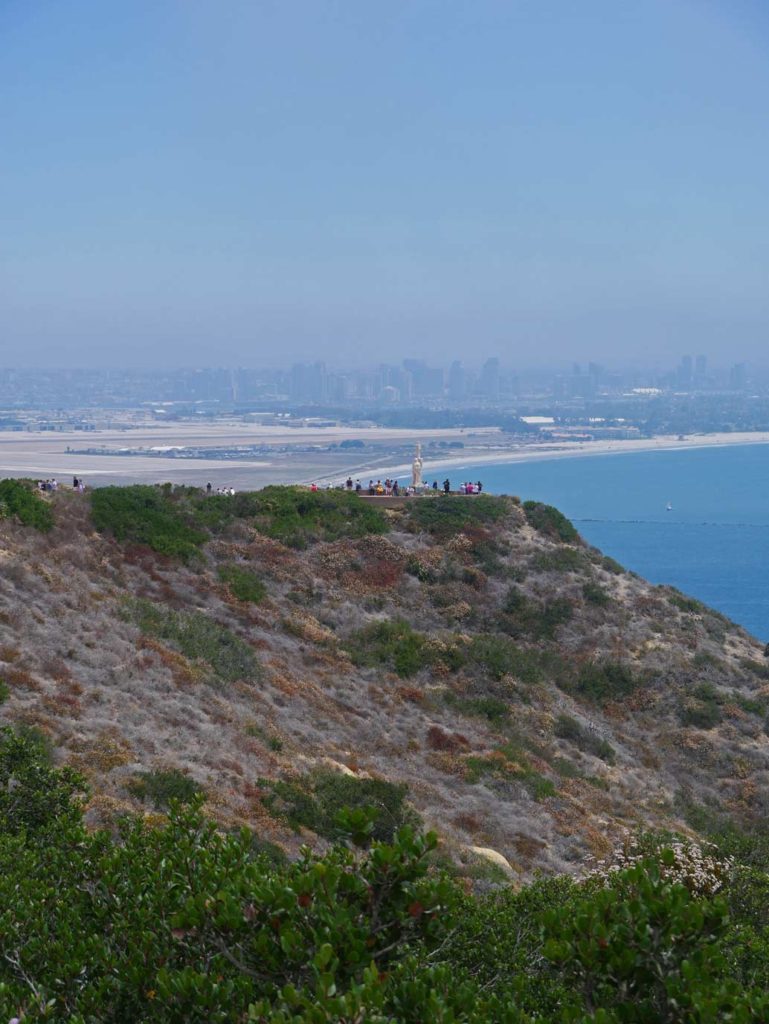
{"x": 246, "y": 183}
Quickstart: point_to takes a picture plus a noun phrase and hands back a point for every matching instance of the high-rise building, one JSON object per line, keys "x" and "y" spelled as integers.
{"x": 738, "y": 377}
{"x": 457, "y": 382}
{"x": 309, "y": 382}
{"x": 685, "y": 371}
{"x": 490, "y": 379}
{"x": 700, "y": 367}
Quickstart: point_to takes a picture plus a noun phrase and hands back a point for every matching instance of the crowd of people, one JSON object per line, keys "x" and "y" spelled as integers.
{"x": 391, "y": 487}
{"x": 228, "y": 491}
{"x": 78, "y": 484}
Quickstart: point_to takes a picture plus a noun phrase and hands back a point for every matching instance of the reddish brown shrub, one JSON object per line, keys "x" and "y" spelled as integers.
{"x": 439, "y": 739}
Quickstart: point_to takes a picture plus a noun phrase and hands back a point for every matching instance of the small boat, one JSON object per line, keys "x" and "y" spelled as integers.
{"x": 668, "y": 507}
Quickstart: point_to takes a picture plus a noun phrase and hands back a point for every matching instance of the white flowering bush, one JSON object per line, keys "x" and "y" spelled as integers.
{"x": 696, "y": 866}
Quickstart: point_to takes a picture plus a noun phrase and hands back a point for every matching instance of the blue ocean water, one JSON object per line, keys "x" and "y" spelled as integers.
{"x": 713, "y": 545}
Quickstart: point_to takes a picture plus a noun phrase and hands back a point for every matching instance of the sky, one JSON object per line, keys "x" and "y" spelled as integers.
{"x": 253, "y": 182}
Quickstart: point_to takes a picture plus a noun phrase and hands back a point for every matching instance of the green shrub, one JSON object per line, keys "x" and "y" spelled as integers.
{"x": 499, "y": 656}
{"x": 19, "y": 499}
{"x": 703, "y": 708}
{"x": 147, "y": 515}
{"x": 645, "y": 950}
{"x": 604, "y": 681}
{"x": 299, "y": 517}
{"x": 189, "y": 923}
{"x": 445, "y": 515}
{"x": 612, "y": 565}
{"x": 595, "y": 594}
{"x": 492, "y": 708}
{"x": 568, "y": 728}
{"x": 244, "y": 584}
{"x": 5, "y": 693}
{"x": 684, "y": 603}
{"x": 561, "y": 559}
{"x": 34, "y": 796}
{"x": 392, "y": 643}
{"x": 523, "y": 617}
{"x": 197, "y": 637}
{"x": 550, "y": 522}
{"x": 479, "y": 767}
{"x": 161, "y": 787}
{"x": 315, "y": 802}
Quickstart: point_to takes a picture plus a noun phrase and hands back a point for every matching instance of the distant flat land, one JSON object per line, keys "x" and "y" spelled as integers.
{"x": 289, "y": 454}
{"x": 285, "y": 458}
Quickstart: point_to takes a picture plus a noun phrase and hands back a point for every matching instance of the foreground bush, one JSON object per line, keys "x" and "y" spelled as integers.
{"x": 185, "y": 924}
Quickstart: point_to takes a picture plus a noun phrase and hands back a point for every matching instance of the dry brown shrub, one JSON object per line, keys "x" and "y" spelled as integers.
{"x": 468, "y": 822}
{"x": 528, "y": 846}
{"x": 410, "y": 694}
{"x": 449, "y": 764}
{"x": 62, "y": 704}
{"x": 439, "y": 739}
{"x": 734, "y": 711}
{"x": 642, "y": 699}
{"x": 9, "y": 653}
{"x": 21, "y": 679}
{"x": 182, "y": 671}
{"x": 102, "y": 754}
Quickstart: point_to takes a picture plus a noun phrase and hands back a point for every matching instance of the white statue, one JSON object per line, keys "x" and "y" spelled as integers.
{"x": 416, "y": 469}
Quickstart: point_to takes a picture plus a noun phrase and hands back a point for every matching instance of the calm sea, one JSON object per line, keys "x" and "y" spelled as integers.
{"x": 713, "y": 545}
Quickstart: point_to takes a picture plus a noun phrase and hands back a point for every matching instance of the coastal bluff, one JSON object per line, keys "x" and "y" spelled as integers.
{"x": 468, "y": 662}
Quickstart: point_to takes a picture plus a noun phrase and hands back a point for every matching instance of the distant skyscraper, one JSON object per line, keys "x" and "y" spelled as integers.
{"x": 457, "y": 382}
{"x": 685, "y": 371}
{"x": 309, "y": 382}
{"x": 701, "y": 367}
{"x": 490, "y": 379}
{"x": 738, "y": 377}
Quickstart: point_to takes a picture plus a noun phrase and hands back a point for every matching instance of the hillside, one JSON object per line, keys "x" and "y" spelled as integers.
{"x": 469, "y": 660}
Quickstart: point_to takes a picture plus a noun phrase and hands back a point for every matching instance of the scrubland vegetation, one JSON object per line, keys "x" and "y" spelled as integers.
{"x": 178, "y": 668}
{"x": 182, "y": 922}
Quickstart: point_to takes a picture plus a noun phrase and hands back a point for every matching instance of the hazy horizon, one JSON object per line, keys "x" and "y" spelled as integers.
{"x": 191, "y": 184}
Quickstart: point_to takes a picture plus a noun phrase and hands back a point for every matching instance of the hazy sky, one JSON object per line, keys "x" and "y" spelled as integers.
{"x": 254, "y": 181}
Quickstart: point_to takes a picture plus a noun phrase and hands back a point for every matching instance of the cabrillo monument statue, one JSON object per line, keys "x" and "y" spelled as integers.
{"x": 416, "y": 469}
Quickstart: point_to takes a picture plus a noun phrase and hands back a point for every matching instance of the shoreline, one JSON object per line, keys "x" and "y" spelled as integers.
{"x": 550, "y": 451}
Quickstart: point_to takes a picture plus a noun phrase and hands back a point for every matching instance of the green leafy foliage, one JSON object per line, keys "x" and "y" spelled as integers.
{"x": 316, "y": 801}
{"x": 604, "y": 681}
{"x": 245, "y": 584}
{"x": 499, "y": 656}
{"x": 142, "y": 514}
{"x": 560, "y": 559}
{"x": 300, "y": 517}
{"x": 647, "y": 950}
{"x": 686, "y": 604}
{"x": 702, "y": 708}
{"x": 197, "y": 637}
{"x": 161, "y": 787}
{"x": 445, "y": 515}
{"x": 537, "y": 620}
{"x": 34, "y": 796}
{"x": 391, "y": 643}
{"x": 595, "y": 594}
{"x": 551, "y": 523}
{"x": 189, "y": 924}
{"x": 568, "y": 728}
{"x": 5, "y": 692}
{"x": 19, "y": 500}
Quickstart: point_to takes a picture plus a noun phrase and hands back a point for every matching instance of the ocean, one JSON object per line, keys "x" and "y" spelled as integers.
{"x": 714, "y": 542}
